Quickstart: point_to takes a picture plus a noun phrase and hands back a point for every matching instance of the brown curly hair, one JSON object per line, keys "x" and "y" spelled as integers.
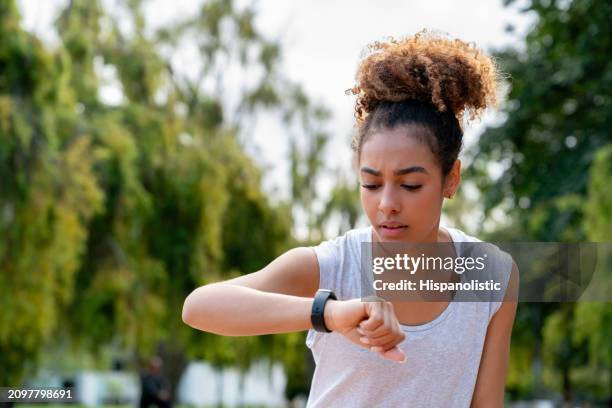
{"x": 427, "y": 80}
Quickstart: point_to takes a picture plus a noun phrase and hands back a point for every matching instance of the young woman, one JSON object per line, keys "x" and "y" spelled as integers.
{"x": 411, "y": 96}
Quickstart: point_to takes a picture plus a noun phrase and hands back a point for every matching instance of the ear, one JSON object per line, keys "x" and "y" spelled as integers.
{"x": 452, "y": 180}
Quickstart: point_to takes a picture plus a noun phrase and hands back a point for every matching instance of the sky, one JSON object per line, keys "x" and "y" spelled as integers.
{"x": 322, "y": 44}
{"x": 325, "y": 39}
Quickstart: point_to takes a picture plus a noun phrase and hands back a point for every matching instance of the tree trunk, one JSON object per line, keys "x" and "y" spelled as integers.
{"x": 610, "y": 389}
{"x": 567, "y": 386}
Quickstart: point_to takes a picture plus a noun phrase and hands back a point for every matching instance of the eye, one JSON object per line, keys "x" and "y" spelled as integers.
{"x": 370, "y": 186}
{"x": 412, "y": 187}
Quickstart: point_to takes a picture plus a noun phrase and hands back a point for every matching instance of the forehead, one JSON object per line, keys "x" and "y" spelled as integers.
{"x": 392, "y": 149}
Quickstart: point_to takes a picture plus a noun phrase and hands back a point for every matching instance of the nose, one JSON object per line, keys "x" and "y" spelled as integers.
{"x": 389, "y": 203}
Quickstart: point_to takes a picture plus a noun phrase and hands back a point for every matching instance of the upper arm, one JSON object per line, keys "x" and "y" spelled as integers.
{"x": 490, "y": 384}
{"x": 296, "y": 272}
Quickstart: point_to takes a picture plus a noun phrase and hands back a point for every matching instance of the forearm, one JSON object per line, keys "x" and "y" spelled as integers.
{"x": 233, "y": 310}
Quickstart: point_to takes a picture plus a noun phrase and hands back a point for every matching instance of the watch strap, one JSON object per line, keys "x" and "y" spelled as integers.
{"x": 317, "y": 316}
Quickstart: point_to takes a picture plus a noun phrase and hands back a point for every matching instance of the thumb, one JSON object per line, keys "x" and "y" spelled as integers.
{"x": 394, "y": 354}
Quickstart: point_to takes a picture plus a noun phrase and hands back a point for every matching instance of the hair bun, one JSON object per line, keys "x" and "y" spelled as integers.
{"x": 450, "y": 74}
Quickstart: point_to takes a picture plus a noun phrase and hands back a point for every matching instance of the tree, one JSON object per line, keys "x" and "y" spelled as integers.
{"x": 593, "y": 320}
{"x": 556, "y": 120}
{"x": 48, "y": 195}
{"x": 112, "y": 214}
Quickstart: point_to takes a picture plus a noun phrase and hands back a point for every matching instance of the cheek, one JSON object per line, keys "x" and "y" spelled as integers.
{"x": 432, "y": 193}
{"x": 422, "y": 206}
{"x": 366, "y": 199}
{"x": 369, "y": 202}
{"x": 427, "y": 200}
{"x": 428, "y": 206}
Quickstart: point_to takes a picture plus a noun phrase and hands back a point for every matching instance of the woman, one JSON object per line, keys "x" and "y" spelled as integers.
{"x": 411, "y": 96}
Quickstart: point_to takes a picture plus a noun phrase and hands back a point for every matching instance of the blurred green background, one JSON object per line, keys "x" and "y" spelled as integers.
{"x": 111, "y": 214}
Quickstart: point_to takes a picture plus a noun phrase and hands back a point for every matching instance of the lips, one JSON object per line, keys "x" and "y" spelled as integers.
{"x": 392, "y": 230}
{"x": 392, "y": 225}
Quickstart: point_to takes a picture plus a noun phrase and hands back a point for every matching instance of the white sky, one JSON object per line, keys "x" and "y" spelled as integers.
{"x": 322, "y": 43}
{"x": 324, "y": 40}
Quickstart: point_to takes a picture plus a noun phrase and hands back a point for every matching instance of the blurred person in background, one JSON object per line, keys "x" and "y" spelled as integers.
{"x": 154, "y": 386}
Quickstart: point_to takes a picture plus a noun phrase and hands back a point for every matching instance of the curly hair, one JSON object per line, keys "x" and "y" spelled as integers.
{"x": 426, "y": 80}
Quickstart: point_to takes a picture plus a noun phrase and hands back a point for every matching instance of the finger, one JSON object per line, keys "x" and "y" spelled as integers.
{"x": 380, "y": 341}
{"x": 387, "y": 342}
{"x": 395, "y": 354}
{"x": 382, "y": 330}
{"x": 375, "y": 320}
{"x": 381, "y": 308}
{"x": 392, "y": 343}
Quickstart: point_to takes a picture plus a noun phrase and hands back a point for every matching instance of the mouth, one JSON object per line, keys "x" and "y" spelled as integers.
{"x": 392, "y": 227}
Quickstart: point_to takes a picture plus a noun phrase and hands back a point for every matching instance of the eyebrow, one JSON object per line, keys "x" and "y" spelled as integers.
{"x": 400, "y": 172}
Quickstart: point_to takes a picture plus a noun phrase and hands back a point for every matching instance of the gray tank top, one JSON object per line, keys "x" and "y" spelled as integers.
{"x": 443, "y": 355}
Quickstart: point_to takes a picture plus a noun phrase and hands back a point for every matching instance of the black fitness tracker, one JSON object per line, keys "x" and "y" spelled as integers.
{"x": 318, "y": 307}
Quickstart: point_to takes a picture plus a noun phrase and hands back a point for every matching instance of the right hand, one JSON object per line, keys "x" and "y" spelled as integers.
{"x": 372, "y": 325}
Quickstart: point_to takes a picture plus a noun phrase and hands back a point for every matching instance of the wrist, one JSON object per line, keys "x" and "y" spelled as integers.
{"x": 328, "y": 314}
{"x": 319, "y": 310}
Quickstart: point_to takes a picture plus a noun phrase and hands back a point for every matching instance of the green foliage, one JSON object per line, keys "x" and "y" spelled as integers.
{"x": 48, "y": 195}
{"x": 557, "y": 117}
{"x": 552, "y": 188}
{"x": 593, "y": 320}
{"x": 598, "y": 208}
{"x": 344, "y": 202}
{"x": 111, "y": 215}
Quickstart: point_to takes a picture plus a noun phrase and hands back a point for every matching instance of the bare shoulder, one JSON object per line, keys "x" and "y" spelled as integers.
{"x": 489, "y": 390}
{"x": 295, "y": 272}
{"x": 503, "y": 320}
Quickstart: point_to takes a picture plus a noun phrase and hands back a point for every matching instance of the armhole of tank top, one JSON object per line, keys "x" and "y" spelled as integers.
{"x": 460, "y": 236}
{"x": 507, "y": 260}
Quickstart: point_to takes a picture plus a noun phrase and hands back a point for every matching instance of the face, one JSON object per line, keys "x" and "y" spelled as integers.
{"x": 402, "y": 187}
{"x": 155, "y": 364}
